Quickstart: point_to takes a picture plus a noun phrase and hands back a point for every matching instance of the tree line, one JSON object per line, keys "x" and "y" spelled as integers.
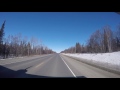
{"x": 16, "y": 45}
{"x": 101, "y": 41}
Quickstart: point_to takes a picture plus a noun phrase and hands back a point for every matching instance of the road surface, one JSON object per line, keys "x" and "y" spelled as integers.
{"x": 50, "y": 66}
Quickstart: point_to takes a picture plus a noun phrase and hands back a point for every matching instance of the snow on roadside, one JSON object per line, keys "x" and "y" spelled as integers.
{"x": 111, "y": 60}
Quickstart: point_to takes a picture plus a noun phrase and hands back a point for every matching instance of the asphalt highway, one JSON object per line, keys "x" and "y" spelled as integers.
{"x": 50, "y": 66}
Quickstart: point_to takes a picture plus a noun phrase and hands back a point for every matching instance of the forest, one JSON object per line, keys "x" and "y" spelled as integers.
{"x": 16, "y": 45}
{"x": 101, "y": 41}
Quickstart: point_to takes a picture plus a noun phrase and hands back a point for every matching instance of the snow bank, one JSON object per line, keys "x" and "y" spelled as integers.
{"x": 108, "y": 60}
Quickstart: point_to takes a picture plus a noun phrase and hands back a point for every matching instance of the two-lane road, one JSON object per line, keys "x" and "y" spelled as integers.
{"x": 50, "y": 66}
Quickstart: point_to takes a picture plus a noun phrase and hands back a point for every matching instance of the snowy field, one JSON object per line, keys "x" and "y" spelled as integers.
{"x": 106, "y": 60}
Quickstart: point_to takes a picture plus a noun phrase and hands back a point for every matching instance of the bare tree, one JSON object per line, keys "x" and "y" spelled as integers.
{"x": 108, "y": 38}
{"x": 15, "y": 45}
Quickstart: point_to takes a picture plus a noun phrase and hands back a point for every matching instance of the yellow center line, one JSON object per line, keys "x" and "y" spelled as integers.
{"x": 39, "y": 64}
{"x": 42, "y": 63}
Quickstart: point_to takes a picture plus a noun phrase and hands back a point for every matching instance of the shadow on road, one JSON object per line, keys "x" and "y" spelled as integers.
{"x": 8, "y": 73}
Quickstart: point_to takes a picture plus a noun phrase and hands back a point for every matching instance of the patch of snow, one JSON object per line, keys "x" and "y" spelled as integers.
{"x": 112, "y": 58}
{"x": 2, "y": 59}
{"x": 107, "y": 59}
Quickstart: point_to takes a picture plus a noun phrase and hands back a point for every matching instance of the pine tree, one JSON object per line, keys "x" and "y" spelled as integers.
{"x": 2, "y": 32}
{"x": 1, "y": 38}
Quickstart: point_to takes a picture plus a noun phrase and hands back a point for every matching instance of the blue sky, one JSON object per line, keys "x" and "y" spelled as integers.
{"x": 58, "y": 30}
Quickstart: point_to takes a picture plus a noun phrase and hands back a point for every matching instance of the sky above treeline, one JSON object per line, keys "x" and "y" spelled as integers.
{"x": 58, "y": 30}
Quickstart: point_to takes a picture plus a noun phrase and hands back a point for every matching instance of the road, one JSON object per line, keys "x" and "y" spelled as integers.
{"x": 51, "y": 66}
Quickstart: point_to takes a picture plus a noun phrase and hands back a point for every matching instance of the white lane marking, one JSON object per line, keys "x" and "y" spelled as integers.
{"x": 68, "y": 67}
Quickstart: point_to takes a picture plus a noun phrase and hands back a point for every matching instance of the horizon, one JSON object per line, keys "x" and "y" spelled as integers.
{"x": 58, "y": 30}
